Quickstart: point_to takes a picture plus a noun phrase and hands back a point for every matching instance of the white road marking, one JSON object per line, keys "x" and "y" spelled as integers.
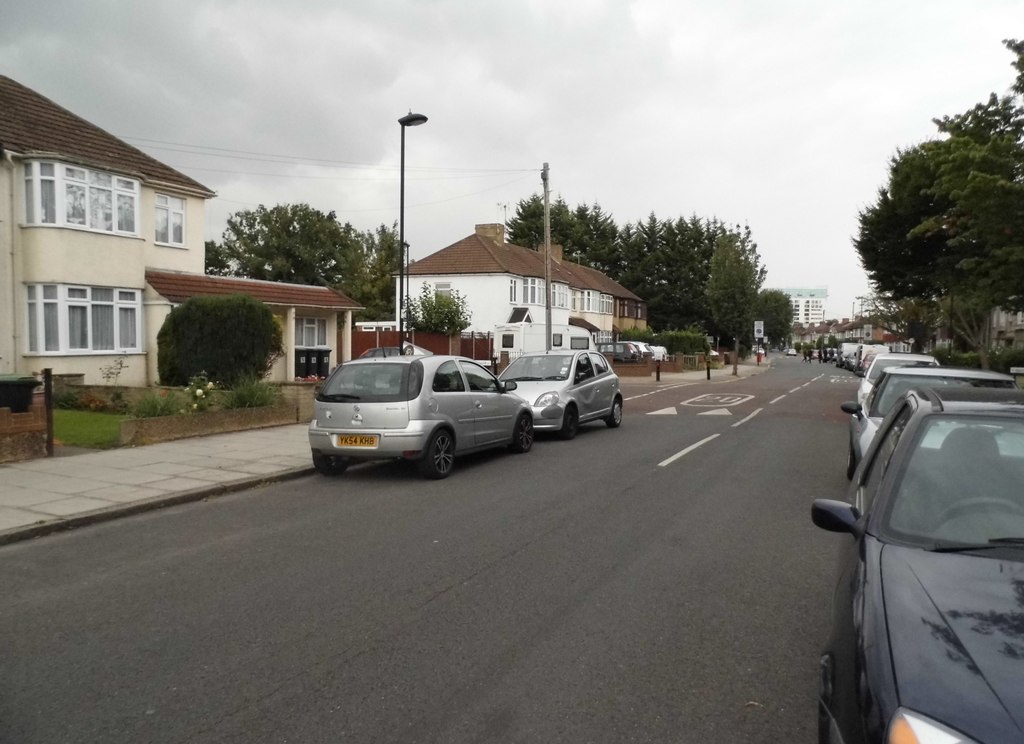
{"x": 795, "y": 390}
{"x": 663, "y": 412}
{"x": 716, "y": 412}
{"x": 743, "y": 421}
{"x": 686, "y": 451}
{"x": 777, "y": 399}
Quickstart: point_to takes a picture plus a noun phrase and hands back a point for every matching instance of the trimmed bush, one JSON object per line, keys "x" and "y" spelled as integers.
{"x": 228, "y": 339}
{"x": 163, "y": 403}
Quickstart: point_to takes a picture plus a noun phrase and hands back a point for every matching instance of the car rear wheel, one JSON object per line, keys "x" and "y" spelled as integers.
{"x": 439, "y": 455}
{"x": 330, "y": 464}
{"x": 615, "y": 417}
{"x": 522, "y": 434}
{"x": 570, "y": 423}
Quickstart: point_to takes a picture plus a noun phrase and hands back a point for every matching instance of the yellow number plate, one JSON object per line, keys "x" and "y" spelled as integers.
{"x": 357, "y": 440}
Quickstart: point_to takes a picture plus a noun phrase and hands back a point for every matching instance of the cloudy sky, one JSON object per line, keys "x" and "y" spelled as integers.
{"x": 778, "y": 114}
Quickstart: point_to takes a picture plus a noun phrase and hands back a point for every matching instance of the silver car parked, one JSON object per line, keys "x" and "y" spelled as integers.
{"x": 566, "y": 389}
{"x": 865, "y": 420}
{"x": 424, "y": 408}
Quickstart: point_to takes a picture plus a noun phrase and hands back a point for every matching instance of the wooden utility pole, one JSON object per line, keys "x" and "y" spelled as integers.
{"x": 547, "y": 260}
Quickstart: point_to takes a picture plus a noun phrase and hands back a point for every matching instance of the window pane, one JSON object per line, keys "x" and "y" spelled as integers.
{"x": 161, "y": 226}
{"x": 125, "y": 296}
{"x": 48, "y": 197}
{"x": 78, "y": 328}
{"x": 102, "y": 217}
{"x": 30, "y": 197}
{"x": 102, "y": 294}
{"x": 78, "y": 293}
{"x": 102, "y": 326}
{"x": 75, "y": 204}
{"x": 50, "y": 326}
{"x": 321, "y": 332}
{"x": 33, "y": 322}
{"x": 125, "y": 213}
{"x": 127, "y": 338}
{"x": 177, "y": 229}
{"x": 100, "y": 179}
{"x": 49, "y": 291}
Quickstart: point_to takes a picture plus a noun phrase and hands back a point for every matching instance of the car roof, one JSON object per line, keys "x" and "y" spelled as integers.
{"x": 961, "y": 373}
{"x": 431, "y": 360}
{"x": 968, "y": 399}
{"x": 886, "y": 355}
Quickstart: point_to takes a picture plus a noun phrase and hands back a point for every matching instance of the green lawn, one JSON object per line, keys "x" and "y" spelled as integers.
{"x": 86, "y": 428}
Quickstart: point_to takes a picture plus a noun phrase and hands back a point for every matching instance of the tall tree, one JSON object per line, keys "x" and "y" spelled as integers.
{"x": 950, "y": 224}
{"x": 736, "y": 277}
{"x": 774, "y": 307}
{"x": 371, "y": 268}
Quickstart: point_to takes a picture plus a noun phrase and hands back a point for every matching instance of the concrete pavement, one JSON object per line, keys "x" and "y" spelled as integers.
{"x": 41, "y": 496}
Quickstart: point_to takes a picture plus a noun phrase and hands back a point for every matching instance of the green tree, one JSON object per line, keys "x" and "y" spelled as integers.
{"x": 949, "y": 226}
{"x": 736, "y": 277}
{"x": 774, "y": 307}
{"x": 287, "y": 243}
{"x": 439, "y": 313}
{"x": 369, "y": 279}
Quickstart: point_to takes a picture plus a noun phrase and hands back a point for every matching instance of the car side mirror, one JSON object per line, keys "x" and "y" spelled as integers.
{"x": 835, "y": 516}
{"x": 853, "y": 408}
{"x": 509, "y": 385}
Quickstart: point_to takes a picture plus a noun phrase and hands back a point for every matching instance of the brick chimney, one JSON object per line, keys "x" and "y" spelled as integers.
{"x": 556, "y": 253}
{"x": 495, "y": 232}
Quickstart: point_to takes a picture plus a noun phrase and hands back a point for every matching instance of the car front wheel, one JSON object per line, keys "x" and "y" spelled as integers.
{"x": 439, "y": 455}
{"x": 522, "y": 434}
{"x": 614, "y": 418}
{"x": 570, "y": 423}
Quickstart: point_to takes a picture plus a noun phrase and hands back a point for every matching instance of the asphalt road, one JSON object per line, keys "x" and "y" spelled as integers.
{"x": 622, "y": 587}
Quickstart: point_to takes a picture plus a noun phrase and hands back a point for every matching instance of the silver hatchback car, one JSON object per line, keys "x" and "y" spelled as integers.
{"x": 426, "y": 408}
{"x": 566, "y": 389}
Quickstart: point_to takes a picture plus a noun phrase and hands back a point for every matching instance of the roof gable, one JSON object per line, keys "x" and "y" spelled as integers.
{"x": 178, "y": 287}
{"x": 31, "y": 124}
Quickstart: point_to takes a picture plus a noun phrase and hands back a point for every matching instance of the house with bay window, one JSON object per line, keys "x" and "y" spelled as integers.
{"x": 92, "y": 233}
{"x": 505, "y": 283}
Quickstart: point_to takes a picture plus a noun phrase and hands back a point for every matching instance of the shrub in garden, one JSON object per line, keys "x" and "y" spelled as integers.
{"x": 224, "y": 338}
{"x": 251, "y": 393}
{"x": 162, "y": 403}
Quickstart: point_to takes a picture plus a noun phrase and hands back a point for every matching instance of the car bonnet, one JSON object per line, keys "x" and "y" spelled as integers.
{"x": 956, "y": 629}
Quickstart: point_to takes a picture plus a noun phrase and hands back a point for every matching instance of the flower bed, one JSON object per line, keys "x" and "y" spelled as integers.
{"x": 138, "y": 431}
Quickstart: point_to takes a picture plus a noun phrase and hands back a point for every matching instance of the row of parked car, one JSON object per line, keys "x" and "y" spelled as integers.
{"x": 928, "y": 610}
{"x": 433, "y": 408}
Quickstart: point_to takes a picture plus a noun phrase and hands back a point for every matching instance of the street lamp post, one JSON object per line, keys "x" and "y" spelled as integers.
{"x": 409, "y": 120}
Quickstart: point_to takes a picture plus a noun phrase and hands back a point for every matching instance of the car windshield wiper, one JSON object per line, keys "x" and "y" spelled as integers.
{"x": 521, "y": 379}
{"x": 339, "y": 396}
{"x": 995, "y": 542}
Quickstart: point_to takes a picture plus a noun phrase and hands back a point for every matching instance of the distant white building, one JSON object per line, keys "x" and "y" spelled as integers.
{"x": 808, "y": 304}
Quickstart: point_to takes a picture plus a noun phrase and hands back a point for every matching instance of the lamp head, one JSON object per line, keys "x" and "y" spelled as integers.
{"x": 412, "y": 120}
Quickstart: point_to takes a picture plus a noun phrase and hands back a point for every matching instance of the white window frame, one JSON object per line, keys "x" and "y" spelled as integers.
{"x": 559, "y": 295}
{"x": 168, "y": 208}
{"x": 102, "y": 194}
{"x": 443, "y": 288}
{"x": 317, "y": 327}
{"x": 49, "y": 324}
{"x": 533, "y": 291}
{"x": 513, "y": 291}
{"x": 607, "y": 304}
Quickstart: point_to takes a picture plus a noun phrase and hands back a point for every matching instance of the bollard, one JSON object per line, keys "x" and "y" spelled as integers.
{"x": 707, "y": 361}
{"x": 657, "y": 371}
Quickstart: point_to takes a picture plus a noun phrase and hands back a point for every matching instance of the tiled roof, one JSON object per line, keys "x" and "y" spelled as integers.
{"x": 178, "y": 287}
{"x": 31, "y": 124}
{"x": 477, "y": 254}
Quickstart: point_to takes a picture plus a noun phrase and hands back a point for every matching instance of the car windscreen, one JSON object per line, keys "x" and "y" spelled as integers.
{"x": 895, "y": 385}
{"x": 961, "y": 482}
{"x": 375, "y": 382}
{"x": 554, "y": 367}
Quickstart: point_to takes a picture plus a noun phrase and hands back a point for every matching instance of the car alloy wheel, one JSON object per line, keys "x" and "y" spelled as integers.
{"x": 439, "y": 455}
{"x": 570, "y": 423}
{"x": 522, "y": 434}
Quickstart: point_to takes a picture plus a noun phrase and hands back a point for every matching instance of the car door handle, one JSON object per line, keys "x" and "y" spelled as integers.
{"x": 477, "y": 404}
